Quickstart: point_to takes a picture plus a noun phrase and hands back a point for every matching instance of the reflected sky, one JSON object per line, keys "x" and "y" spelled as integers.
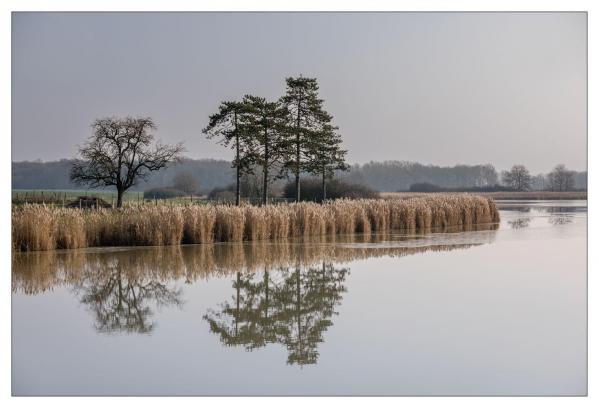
{"x": 493, "y": 311}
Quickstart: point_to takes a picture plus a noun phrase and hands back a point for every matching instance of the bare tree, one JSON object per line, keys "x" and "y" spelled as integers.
{"x": 185, "y": 182}
{"x": 518, "y": 177}
{"x": 538, "y": 182}
{"x": 561, "y": 179}
{"x": 120, "y": 153}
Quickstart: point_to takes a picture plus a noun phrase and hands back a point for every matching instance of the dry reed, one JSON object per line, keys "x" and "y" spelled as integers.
{"x": 38, "y": 227}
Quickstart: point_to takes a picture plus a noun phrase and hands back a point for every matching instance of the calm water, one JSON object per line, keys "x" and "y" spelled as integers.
{"x": 494, "y": 311}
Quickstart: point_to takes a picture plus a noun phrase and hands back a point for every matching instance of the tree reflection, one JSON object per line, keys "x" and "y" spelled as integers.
{"x": 246, "y": 320}
{"x": 560, "y": 219}
{"x": 121, "y": 301}
{"x": 277, "y": 282}
{"x": 519, "y": 223}
{"x": 293, "y": 308}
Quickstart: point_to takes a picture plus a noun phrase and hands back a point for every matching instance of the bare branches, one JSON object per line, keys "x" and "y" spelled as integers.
{"x": 518, "y": 178}
{"x": 120, "y": 152}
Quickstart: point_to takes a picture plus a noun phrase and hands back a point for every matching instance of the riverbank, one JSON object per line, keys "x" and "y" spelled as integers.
{"x": 504, "y": 195}
{"x": 38, "y": 227}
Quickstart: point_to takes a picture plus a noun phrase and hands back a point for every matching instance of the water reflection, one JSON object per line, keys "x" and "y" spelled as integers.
{"x": 560, "y": 219}
{"x": 519, "y": 223}
{"x": 37, "y": 272}
{"x": 285, "y": 292}
{"x": 542, "y": 207}
{"x": 525, "y": 214}
{"x": 121, "y": 301}
{"x": 292, "y": 307}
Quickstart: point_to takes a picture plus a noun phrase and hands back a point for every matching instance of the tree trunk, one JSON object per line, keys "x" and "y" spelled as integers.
{"x": 297, "y": 168}
{"x": 297, "y": 151}
{"x": 238, "y": 172}
{"x": 264, "y": 185}
{"x": 265, "y": 169}
{"x": 324, "y": 187}
{"x": 119, "y": 197}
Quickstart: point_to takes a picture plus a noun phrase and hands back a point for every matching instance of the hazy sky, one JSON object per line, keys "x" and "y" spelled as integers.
{"x": 441, "y": 88}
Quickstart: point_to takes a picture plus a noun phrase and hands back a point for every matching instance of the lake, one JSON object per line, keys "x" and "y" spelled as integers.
{"x": 498, "y": 310}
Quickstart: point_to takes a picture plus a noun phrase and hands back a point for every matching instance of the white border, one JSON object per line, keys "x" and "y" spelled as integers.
{"x": 6, "y": 7}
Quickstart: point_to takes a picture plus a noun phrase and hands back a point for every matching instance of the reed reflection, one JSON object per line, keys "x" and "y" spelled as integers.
{"x": 123, "y": 287}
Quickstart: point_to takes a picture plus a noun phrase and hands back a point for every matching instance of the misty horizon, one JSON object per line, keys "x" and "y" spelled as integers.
{"x": 186, "y": 157}
{"x": 434, "y": 88}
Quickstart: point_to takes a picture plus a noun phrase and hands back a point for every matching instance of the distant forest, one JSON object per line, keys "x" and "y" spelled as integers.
{"x": 210, "y": 173}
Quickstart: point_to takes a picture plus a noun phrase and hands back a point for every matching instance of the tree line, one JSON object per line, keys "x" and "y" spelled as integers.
{"x": 293, "y": 135}
{"x": 559, "y": 179}
{"x": 201, "y": 176}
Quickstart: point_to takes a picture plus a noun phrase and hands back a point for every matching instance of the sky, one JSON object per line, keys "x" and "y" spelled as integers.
{"x": 438, "y": 88}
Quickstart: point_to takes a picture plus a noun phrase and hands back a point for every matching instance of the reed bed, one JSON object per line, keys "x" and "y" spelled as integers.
{"x": 39, "y": 227}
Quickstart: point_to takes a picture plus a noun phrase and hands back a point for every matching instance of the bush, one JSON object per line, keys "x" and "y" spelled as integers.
{"x": 162, "y": 193}
{"x": 425, "y": 188}
{"x": 311, "y": 190}
{"x": 226, "y": 193}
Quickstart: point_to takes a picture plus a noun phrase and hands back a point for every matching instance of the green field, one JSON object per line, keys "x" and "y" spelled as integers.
{"x": 64, "y": 197}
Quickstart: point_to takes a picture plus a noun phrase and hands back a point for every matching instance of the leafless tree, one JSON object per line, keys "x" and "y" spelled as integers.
{"x": 518, "y": 177}
{"x": 120, "y": 153}
{"x": 185, "y": 182}
{"x": 539, "y": 182}
{"x": 561, "y": 179}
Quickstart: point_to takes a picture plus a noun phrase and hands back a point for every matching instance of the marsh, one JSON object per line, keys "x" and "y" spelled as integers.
{"x": 498, "y": 310}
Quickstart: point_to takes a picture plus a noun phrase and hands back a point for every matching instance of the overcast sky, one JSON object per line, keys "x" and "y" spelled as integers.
{"x": 440, "y": 88}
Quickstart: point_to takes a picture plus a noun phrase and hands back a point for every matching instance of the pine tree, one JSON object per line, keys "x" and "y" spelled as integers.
{"x": 305, "y": 114}
{"x": 264, "y": 127}
{"x": 227, "y": 124}
{"x": 326, "y": 154}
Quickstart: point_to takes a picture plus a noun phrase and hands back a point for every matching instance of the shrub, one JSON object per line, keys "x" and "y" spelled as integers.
{"x": 226, "y": 194}
{"x": 162, "y": 193}
{"x": 425, "y": 188}
{"x": 311, "y": 190}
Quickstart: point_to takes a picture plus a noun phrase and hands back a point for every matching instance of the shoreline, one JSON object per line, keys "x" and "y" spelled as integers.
{"x": 39, "y": 227}
{"x": 501, "y": 195}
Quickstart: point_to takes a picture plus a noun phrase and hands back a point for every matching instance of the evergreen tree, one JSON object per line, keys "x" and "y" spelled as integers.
{"x": 305, "y": 115}
{"x": 326, "y": 154}
{"x": 264, "y": 126}
{"x": 227, "y": 124}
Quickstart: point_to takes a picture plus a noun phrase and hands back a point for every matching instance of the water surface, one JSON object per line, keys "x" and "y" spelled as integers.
{"x": 492, "y": 311}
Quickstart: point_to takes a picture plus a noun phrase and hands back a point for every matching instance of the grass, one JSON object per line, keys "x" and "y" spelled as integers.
{"x": 64, "y": 197}
{"x": 39, "y": 227}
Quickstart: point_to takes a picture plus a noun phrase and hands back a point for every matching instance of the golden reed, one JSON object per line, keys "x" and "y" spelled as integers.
{"x": 37, "y": 227}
